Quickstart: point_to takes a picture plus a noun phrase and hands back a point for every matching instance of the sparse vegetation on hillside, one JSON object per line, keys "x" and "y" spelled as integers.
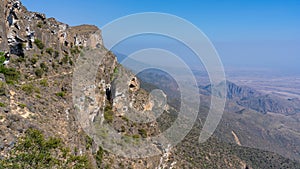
{"x": 2, "y": 104}
{"x": 39, "y": 72}
{"x": 115, "y": 73}
{"x": 60, "y": 94}
{"x": 29, "y": 88}
{"x": 99, "y": 156}
{"x": 143, "y": 133}
{"x": 56, "y": 54}
{"x": 2, "y": 88}
{"x": 108, "y": 114}
{"x": 65, "y": 59}
{"x": 39, "y": 44}
{"x": 75, "y": 50}
{"x": 11, "y": 74}
{"x": 44, "y": 66}
{"x": 22, "y": 105}
{"x": 2, "y": 58}
{"x": 89, "y": 142}
{"x": 49, "y": 51}
{"x": 35, "y": 151}
{"x": 44, "y": 83}
{"x": 33, "y": 60}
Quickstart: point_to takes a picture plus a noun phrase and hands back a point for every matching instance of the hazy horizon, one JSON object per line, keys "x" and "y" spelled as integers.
{"x": 247, "y": 34}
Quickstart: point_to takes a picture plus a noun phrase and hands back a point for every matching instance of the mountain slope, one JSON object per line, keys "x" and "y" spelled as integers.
{"x": 271, "y": 132}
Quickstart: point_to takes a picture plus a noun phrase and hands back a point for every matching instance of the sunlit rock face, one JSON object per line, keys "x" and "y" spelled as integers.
{"x": 20, "y": 28}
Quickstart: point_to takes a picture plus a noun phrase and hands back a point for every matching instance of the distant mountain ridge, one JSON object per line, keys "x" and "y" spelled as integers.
{"x": 258, "y": 101}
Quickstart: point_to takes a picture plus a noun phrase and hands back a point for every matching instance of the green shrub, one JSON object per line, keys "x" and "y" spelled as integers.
{"x": 22, "y": 105}
{"x": 38, "y": 96}
{"x": 115, "y": 73}
{"x": 2, "y": 104}
{"x": 39, "y": 44}
{"x": 60, "y": 94}
{"x": 116, "y": 70}
{"x": 44, "y": 82}
{"x": 70, "y": 61}
{"x": 34, "y": 60}
{"x": 2, "y": 58}
{"x": 36, "y": 55}
{"x": 65, "y": 59}
{"x": 2, "y": 88}
{"x": 99, "y": 156}
{"x": 56, "y": 54}
{"x": 108, "y": 114}
{"x": 136, "y": 136}
{"x": 75, "y": 50}
{"x": 39, "y": 72}
{"x": 125, "y": 118}
{"x": 143, "y": 133}
{"x": 89, "y": 142}
{"x": 29, "y": 88}
{"x": 11, "y": 74}
{"x": 44, "y": 66}
{"x": 49, "y": 51}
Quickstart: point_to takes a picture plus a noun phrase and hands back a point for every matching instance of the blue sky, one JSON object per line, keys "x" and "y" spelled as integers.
{"x": 254, "y": 34}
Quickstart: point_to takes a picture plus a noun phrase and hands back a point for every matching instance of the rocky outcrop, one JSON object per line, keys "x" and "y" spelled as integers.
{"x": 20, "y": 28}
{"x": 84, "y": 35}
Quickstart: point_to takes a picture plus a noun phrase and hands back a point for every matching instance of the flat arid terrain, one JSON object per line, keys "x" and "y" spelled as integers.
{"x": 286, "y": 87}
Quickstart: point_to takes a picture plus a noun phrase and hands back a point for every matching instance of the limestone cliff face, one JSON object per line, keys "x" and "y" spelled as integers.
{"x": 41, "y": 53}
{"x": 20, "y": 28}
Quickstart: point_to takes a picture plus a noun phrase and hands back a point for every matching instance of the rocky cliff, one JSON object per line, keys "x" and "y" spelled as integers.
{"x": 36, "y": 86}
{"x": 20, "y": 28}
{"x": 40, "y": 53}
